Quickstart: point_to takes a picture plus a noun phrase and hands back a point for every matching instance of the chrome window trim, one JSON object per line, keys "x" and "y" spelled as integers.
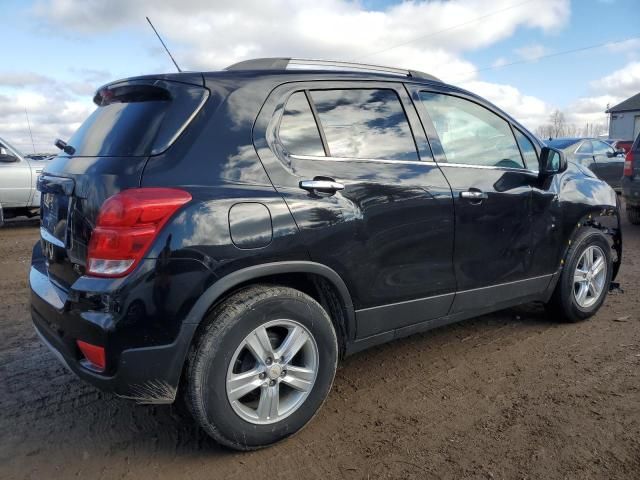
{"x": 488, "y": 167}
{"x": 184, "y": 126}
{"x": 410, "y": 162}
{"x": 356, "y": 159}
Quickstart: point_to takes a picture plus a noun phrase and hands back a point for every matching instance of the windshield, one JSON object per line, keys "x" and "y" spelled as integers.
{"x": 562, "y": 143}
{"x": 136, "y": 119}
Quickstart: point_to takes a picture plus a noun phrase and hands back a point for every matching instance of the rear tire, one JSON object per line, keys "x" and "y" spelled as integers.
{"x": 584, "y": 281}
{"x": 633, "y": 214}
{"x": 262, "y": 367}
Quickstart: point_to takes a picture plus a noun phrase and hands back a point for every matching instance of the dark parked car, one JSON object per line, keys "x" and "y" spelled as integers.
{"x": 228, "y": 236}
{"x": 631, "y": 182}
{"x": 597, "y": 155}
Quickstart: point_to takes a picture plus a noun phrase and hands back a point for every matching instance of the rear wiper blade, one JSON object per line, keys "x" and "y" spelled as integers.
{"x": 62, "y": 145}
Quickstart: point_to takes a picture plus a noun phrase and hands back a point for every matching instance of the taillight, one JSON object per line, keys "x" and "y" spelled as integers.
{"x": 128, "y": 222}
{"x": 628, "y": 164}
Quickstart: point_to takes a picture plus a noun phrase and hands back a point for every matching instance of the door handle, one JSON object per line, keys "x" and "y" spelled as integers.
{"x": 321, "y": 185}
{"x": 474, "y": 195}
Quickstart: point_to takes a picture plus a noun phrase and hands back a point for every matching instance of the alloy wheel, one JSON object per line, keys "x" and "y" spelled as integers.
{"x": 272, "y": 371}
{"x": 590, "y": 276}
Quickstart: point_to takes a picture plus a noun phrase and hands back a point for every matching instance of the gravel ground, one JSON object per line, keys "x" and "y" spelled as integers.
{"x": 508, "y": 395}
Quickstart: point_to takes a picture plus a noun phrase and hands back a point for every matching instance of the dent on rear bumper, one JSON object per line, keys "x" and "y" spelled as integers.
{"x": 146, "y": 374}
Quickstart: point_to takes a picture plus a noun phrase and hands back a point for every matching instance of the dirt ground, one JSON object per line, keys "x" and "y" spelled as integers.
{"x": 509, "y": 395}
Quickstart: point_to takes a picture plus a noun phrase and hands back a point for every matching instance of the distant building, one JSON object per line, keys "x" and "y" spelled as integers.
{"x": 624, "y": 121}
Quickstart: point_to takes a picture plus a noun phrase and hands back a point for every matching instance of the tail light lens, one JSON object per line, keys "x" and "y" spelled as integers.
{"x": 628, "y": 164}
{"x": 128, "y": 222}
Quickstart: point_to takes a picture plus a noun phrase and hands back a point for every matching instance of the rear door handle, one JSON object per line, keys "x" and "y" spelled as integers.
{"x": 474, "y": 195}
{"x": 321, "y": 185}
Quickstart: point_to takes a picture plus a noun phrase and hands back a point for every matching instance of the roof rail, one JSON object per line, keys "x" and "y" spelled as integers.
{"x": 307, "y": 64}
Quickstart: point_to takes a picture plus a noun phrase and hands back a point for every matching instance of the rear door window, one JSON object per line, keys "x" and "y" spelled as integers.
{"x": 136, "y": 119}
{"x": 364, "y": 123}
{"x": 601, "y": 148}
{"x": 298, "y": 131}
{"x": 471, "y": 134}
{"x": 585, "y": 148}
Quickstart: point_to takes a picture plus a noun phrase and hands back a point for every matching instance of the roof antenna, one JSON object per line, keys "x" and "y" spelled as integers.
{"x": 165, "y": 47}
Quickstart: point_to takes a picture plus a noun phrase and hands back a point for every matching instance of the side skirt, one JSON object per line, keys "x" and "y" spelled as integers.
{"x": 489, "y": 299}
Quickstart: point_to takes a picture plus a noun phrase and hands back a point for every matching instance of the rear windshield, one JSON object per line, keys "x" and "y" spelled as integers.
{"x": 561, "y": 143}
{"x": 137, "y": 119}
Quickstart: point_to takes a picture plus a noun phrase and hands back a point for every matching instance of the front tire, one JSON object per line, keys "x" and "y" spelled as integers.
{"x": 262, "y": 367}
{"x": 584, "y": 281}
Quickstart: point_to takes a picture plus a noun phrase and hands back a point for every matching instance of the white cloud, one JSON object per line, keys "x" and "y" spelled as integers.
{"x": 606, "y": 92}
{"x": 622, "y": 83}
{"x": 211, "y": 34}
{"x": 499, "y": 62}
{"x": 51, "y": 110}
{"x": 630, "y": 45}
{"x": 20, "y": 79}
{"x": 528, "y": 110}
{"x": 531, "y": 52}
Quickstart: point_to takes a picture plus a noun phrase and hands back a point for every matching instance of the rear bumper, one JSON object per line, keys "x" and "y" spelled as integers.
{"x": 631, "y": 191}
{"x": 146, "y": 374}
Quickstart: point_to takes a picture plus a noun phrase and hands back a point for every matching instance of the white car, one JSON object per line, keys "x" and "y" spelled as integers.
{"x": 18, "y": 178}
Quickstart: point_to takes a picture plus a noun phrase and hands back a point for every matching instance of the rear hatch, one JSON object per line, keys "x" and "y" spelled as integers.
{"x": 134, "y": 120}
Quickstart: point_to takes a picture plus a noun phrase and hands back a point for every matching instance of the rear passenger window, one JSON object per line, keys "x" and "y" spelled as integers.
{"x": 601, "y": 148}
{"x": 298, "y": 130}
{"x": 585, "y": 148}
{"x": 365, "y": 123}
{"x": 528, "y": 150}
{"x": 471, "y": 134}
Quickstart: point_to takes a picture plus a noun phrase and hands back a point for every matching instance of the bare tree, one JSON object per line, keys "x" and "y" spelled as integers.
{"x": 558, "y": 127}
{"x": 558, "y": 123}
{"x": 544, "y": 131}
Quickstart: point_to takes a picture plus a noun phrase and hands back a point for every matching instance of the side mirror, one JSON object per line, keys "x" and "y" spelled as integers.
{"x": 552, "y": 161}
{"x": 6, "y": 158}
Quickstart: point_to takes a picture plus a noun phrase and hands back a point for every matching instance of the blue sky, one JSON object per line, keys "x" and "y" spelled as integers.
{"x": 57, "y": 51}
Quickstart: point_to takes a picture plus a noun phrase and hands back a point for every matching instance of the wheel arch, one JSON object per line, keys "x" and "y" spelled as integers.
{"x": 319, "y": 281}
{"x": 607, "y": 220}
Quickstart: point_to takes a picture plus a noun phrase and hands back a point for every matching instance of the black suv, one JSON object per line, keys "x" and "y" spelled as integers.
{"x": 226, "y": 237}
